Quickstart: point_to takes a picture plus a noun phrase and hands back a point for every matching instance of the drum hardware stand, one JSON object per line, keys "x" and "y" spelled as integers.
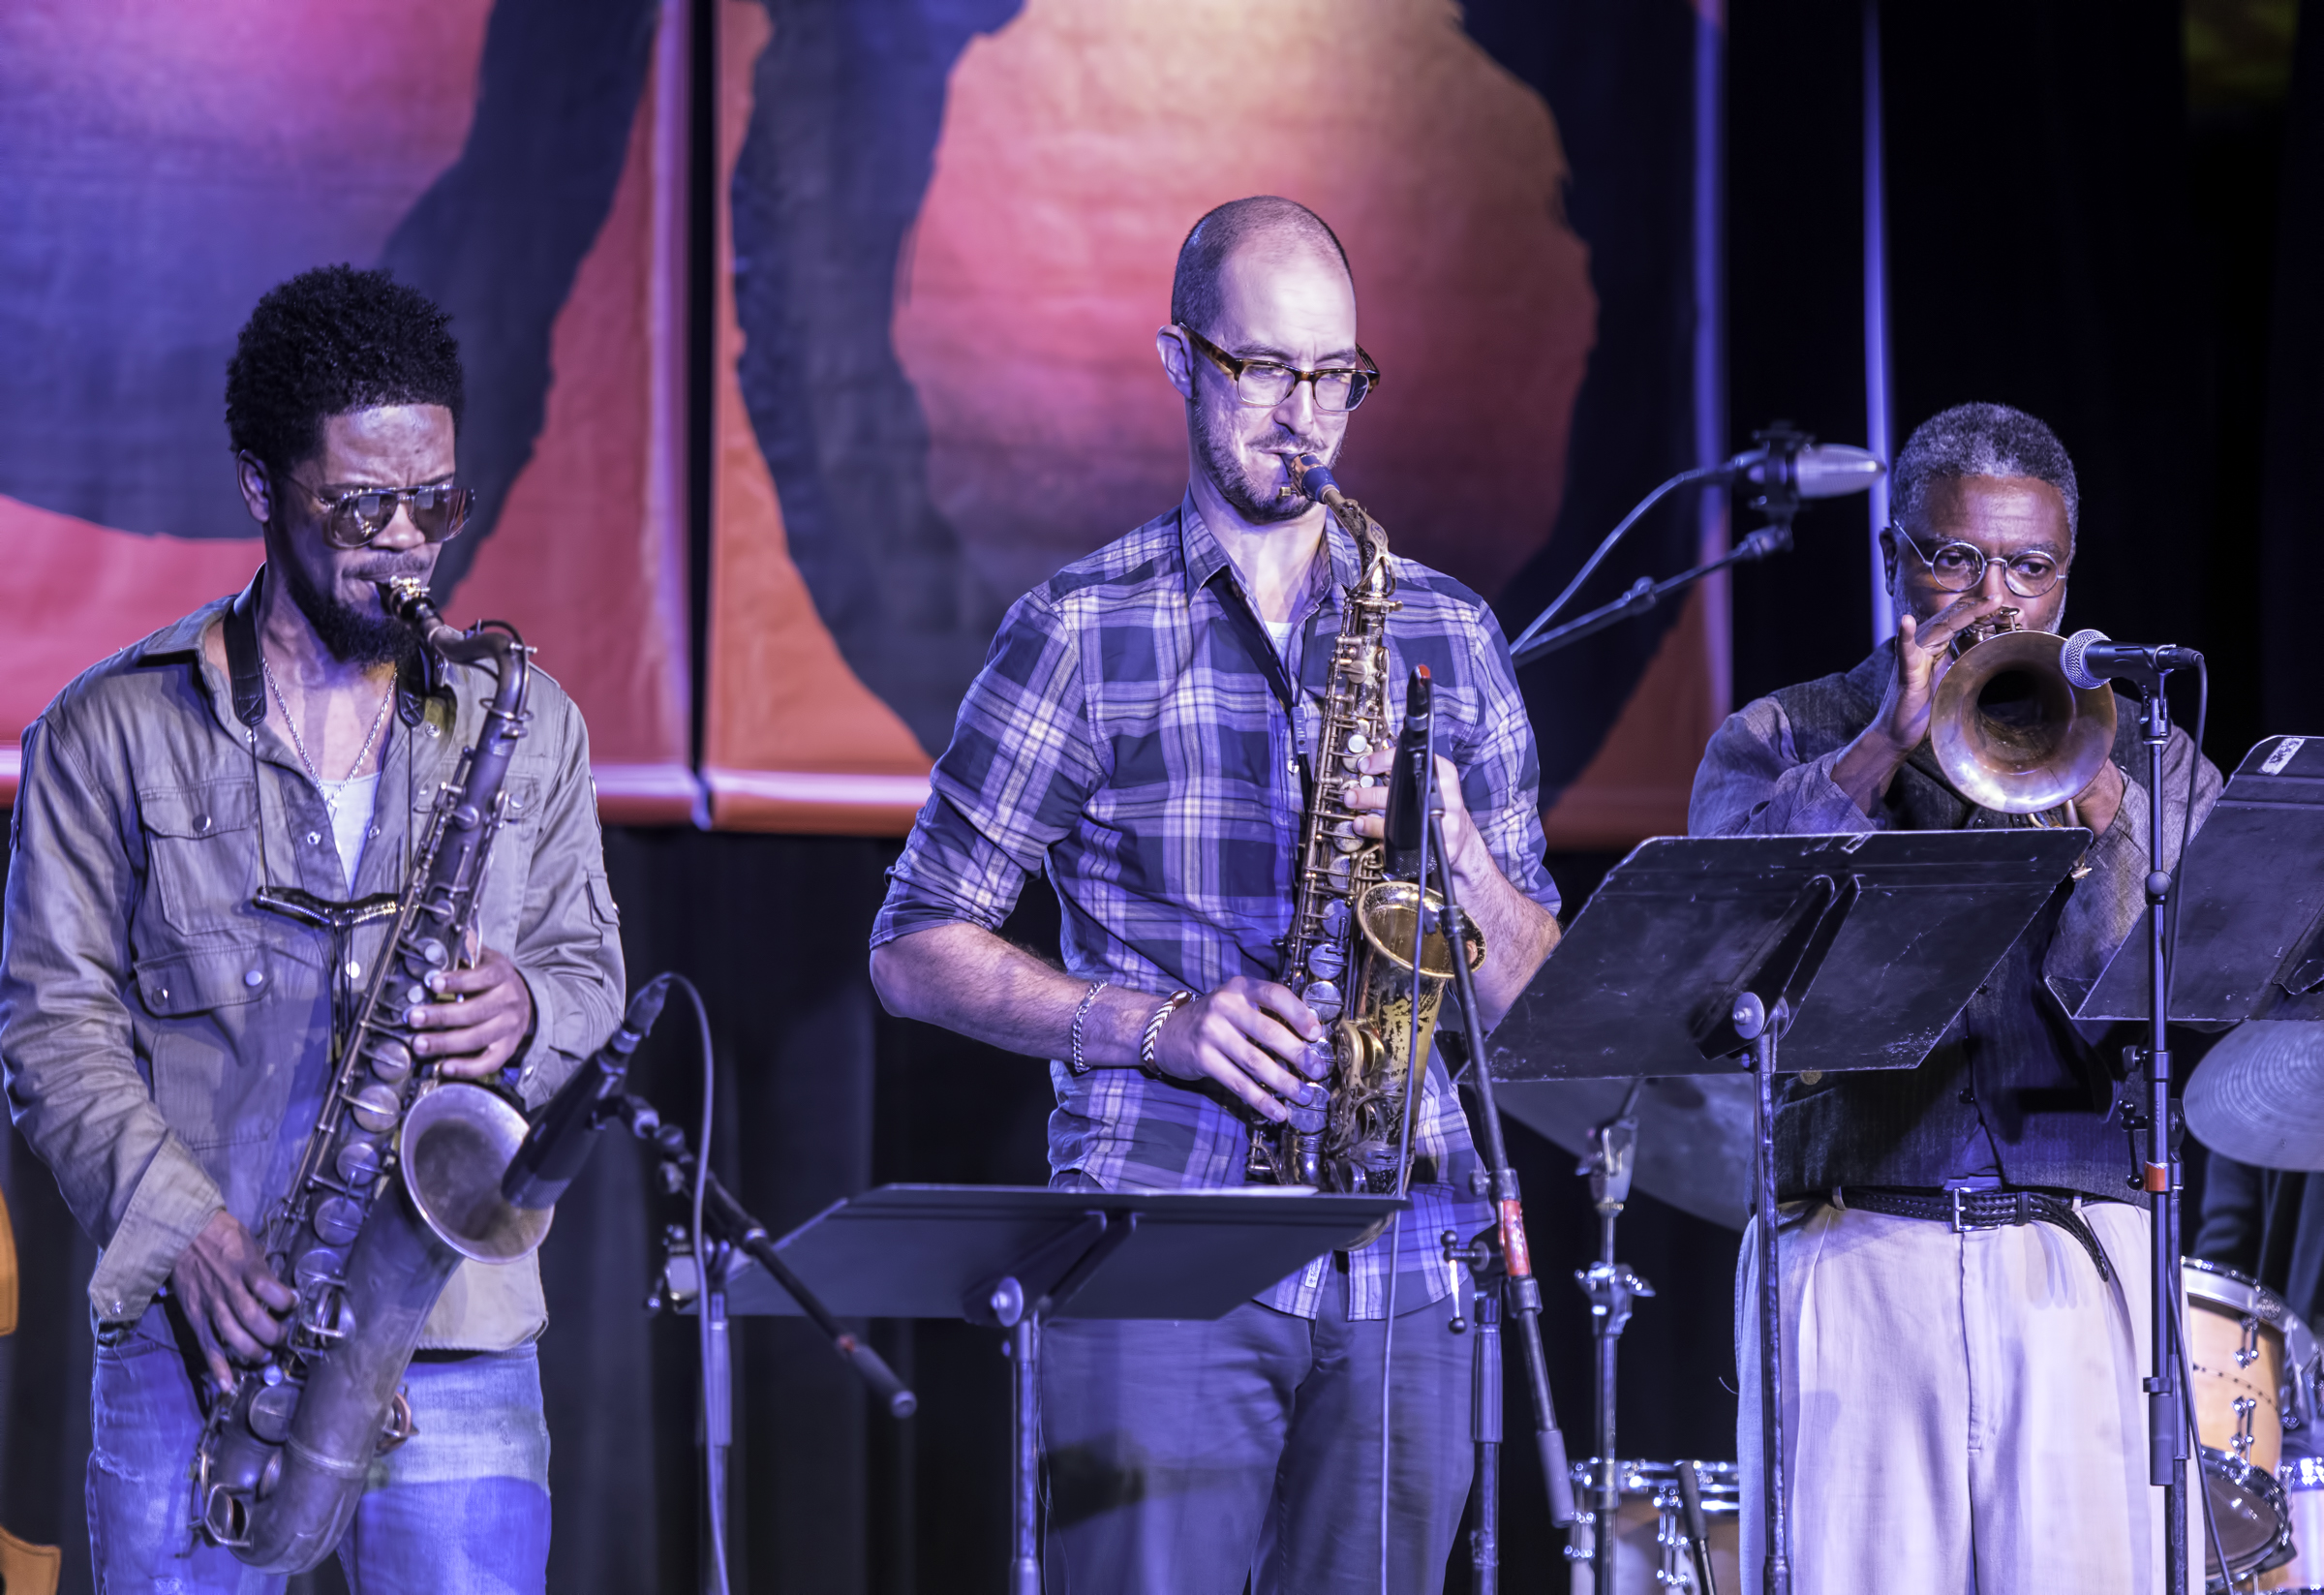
{"x": 1698, "y": 1531}
{"x": 1519, "y": 1290}
{"x": 1611, "y": 1288}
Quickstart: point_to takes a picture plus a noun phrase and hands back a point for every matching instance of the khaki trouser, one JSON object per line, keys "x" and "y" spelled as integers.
{"x": 1962, "y": 1412}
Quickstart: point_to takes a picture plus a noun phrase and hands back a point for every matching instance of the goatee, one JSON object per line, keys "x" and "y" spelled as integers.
{"x": 1252, "y": 500}
{"x": 351, "y": 637}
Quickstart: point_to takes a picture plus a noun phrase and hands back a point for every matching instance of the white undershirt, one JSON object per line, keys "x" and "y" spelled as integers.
{"x": 350, "y": 804}
{"x": 1280, "y": 635}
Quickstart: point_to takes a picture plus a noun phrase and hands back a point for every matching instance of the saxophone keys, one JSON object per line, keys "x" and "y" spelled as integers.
{"x": 359, "y": 1162}
{"x": 398, "y": 1426}
{"x": 319, "y": 1270}
{"x": 270, "y": 1412}
{"x": 377, "y": 1106}
{"x": 426, "y": 954}
{"x": 1358, "y": 744}
{"x": 1324, "y": 997}
{"x": 337, "y": 1220}
{"x": 1326, "y": 961}
{"x": 1316, "y": 1061}
{"x": 390, "y": 1060}
{"x": 1306, "y": 1120}
{"x": 1337, "y": 919}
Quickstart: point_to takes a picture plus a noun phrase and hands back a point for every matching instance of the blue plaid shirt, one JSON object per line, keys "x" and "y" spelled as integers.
{"x": 1134, "y": 733}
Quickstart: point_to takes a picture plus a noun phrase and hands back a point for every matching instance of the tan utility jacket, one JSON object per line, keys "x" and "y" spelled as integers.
{"x": 165, "y": 1042}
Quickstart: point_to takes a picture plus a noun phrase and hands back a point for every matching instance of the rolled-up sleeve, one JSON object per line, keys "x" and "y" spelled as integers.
{"x": 73, "y": 1086}
{"x": 568, "y": 943}
{"x": 1753, "y": 783}
{"x": 1020, "y": 766}
{"x": 1501, "y": 774}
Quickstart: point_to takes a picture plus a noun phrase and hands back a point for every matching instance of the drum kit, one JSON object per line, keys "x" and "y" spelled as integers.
{"x": 2255, "y": 1369}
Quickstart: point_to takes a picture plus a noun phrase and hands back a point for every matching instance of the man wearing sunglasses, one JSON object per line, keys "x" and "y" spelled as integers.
{"x": 1143, "y": 732}
{"x": 167, "y": 1033}
{"x": 1965, "y": 1274}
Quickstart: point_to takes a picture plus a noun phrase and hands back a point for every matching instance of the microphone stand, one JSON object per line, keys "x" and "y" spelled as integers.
{"x": 1501, "y": 1256}
{"x": 2158, "y": 1175}
{"x": 1778, "y": 497}
{"x": 729, "y": 1225}
{"x": 1645, "y": 592}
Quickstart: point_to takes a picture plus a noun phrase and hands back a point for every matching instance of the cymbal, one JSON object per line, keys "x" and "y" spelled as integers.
{"x": 1694, "y": 1133}
{"x": 2258, "y": 1095}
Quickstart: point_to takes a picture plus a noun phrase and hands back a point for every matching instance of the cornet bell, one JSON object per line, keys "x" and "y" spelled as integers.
{"x": 2010, "y": 732}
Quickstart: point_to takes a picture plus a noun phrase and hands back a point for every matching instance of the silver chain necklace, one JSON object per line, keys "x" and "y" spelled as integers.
{"x": 291, "y": 726}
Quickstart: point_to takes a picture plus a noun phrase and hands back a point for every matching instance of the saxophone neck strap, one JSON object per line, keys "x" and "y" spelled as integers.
{"x": 420, "y": 676}
{"x": 244, "y": 673}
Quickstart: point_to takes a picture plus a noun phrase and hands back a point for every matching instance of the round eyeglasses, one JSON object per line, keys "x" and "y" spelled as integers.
{"x": 1958, "y": 566}
{"x": 352, "y": 519}
{"x": 1264, "y": 384}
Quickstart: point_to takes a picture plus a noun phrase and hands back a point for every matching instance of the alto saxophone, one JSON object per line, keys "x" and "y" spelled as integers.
{"x": 1349, "y": 952}
{"x": 400, "y": 1181}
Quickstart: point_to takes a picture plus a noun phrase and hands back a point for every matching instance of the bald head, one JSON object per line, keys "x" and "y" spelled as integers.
{"x": 1265, "y": 224}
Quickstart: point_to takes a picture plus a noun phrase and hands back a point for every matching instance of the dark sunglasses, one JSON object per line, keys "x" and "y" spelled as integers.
{"x": 353, "y": 518}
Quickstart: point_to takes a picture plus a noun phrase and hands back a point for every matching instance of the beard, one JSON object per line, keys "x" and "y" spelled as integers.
{"x": 1256, "y": 502}
{"x": 352, "y": 635}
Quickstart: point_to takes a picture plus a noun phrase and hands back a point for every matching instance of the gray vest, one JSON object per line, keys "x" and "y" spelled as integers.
{"x": 2012, "y": 1087}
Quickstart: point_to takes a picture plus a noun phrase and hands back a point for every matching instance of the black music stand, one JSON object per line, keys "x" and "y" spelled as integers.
{"x": 2250, "y": 936}
{"x": 1013, "y": 1257}
{"x": 1698, "y": 949}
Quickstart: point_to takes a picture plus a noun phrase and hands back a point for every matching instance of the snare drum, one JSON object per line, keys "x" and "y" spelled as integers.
{"x": 2254, "y": 1367}
{"x": 1651, "y": 1554}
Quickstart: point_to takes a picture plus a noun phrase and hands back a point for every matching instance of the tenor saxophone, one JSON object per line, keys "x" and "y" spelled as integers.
{"x": 1348, "y": 955}
{"x": 400, "y": 1182}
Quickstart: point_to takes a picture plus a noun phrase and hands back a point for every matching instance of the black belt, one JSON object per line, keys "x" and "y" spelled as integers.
{"x": 1979, "y": 1210}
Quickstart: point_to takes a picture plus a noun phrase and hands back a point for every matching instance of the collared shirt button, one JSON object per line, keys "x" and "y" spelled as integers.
{"x": 354, "y": 970}
{"x": 314, "y": 839}
{"x": 201, "y": 825}
{"x": 253, "y": 978}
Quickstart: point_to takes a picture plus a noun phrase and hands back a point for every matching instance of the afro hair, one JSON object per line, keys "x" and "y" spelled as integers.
{"x": 328, "y": 342}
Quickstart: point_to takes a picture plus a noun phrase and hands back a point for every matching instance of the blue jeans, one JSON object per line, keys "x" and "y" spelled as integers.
{"x": 462, "y": 1508}
{"x": 1183, "y": 1458}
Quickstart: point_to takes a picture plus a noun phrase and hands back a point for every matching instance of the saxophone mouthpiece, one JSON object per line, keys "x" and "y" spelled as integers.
{"x": 1312, "y": 477}
{"x": 406, "y": 597}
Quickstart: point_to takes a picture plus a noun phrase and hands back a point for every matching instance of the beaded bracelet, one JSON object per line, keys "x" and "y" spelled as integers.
{"x": 1076, "y": 1063}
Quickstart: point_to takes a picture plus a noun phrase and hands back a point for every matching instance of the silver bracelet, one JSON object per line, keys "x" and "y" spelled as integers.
{"x": 1171, "y": 1004}
{"x": 1076, "y": 1064}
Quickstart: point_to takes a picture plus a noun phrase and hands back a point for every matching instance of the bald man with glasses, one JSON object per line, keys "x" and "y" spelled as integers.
{"x": 1964, "y": 1269}
{"x": 1143, "y": 734}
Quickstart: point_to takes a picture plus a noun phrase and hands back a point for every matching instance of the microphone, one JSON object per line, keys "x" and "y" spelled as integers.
{"x": 1813, "y": 471}
{"x": 558, "y": 1144}
{"x": 1407, "y": 821}
{"x": 2090, "y": 659}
